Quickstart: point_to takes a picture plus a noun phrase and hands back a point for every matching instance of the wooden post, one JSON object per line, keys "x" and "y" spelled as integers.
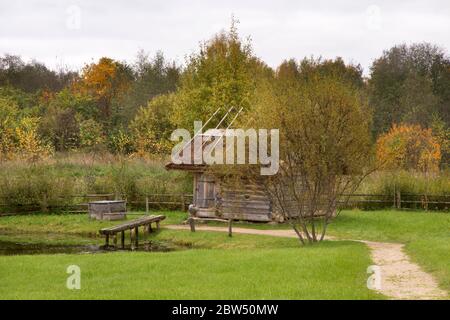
{"x": 150, "y": 230}
{"x": 122, "y": 239}
{"x": 157, "y": 224}
{"x": 230, "y": 231}
{"x": 107, "y": 240}
{"x": 115, "y": 240}
{"x": 146, "y": 232}
{"x": 136, "y": 231}
{"x": 132, "y": 236}
{"x": 192, "y": 224}
{"x": 425, "y": 202}
{"x": 399, "y": 200}
{"x": 146, "y": 205}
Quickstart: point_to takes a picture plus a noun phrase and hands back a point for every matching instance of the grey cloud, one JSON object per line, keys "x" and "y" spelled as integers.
{"x": 279, "y": 29}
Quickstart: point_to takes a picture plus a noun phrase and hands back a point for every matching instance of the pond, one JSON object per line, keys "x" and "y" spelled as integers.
{"x": 21, "y": 248}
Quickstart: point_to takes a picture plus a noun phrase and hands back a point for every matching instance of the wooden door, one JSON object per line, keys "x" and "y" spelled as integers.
{"x": 205, "y": 191}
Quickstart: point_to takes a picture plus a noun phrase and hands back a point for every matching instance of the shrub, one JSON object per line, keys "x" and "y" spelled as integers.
{"x": 409, "y": 147}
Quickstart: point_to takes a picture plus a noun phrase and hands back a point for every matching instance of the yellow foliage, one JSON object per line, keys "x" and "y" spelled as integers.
{"x": 30, "y": 147}
{"x": 98, "y": 78}
{"x": 409, "y": 147}
{"x": 104, "y": 81}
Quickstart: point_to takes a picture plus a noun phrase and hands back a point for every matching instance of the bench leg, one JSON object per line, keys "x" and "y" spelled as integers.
{"x": 122, "y": 239}
{"x": 150, "y": 230}
{"x": 157, "y": 224}
{"x": 115, "y": 240}
{"x": 192, "y": 224}
{"x": 136, "y": 231}
{"x": 132, "y": 238}
{"x": 146, "y": 232}
{"x": 107, "y": 240}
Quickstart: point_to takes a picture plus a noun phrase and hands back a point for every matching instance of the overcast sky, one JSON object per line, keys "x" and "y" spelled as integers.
{"x": 79, "y": 31}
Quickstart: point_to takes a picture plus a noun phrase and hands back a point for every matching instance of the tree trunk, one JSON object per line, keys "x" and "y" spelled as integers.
{"x": 298, "y": 234}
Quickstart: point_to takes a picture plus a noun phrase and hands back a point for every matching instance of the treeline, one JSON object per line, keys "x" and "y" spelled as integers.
{"x": 131, "y": 108}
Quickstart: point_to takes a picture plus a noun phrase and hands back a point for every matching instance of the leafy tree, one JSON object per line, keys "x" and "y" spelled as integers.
{"x": 410, "y": 84}
{"x": 325, "y": 146}
{"x": 60, "y": 127}
{"x": 19, "y": 137}
{"x": 61, "y": 114}
{"x": 91, "y": 134}
{"x": 153, "y": 77}
{"x": 151, "y": 128}
{"x": 9, "y": 112}
{"x": 32, "y": 77}
{"x": 223, "y": 74}
{"x": 83, "y": 104}
{"x": 105, "y": 81}
{"x": 120, "y": 142}
{"x": 348, "y": 73}
{"x": 24, "y": 101}
{"x": 29, "y": 144}
{"x": 409, "y": 147}
{"x": 442, "y": 134}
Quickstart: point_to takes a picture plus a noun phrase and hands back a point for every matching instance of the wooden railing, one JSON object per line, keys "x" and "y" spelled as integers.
{"x": 79, "y": 203}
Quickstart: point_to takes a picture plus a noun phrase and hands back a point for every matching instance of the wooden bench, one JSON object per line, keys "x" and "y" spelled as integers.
{"x": 133, "y": 226}
{"x": 191, "y": 220}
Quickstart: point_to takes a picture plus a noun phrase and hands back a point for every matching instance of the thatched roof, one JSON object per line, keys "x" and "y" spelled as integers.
{"x": 186, "y": 167}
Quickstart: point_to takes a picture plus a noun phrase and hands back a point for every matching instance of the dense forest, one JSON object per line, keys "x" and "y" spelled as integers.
{"x": 132, "y": 107}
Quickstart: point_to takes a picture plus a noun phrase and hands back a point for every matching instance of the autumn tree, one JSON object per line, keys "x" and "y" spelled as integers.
{"x": 9, "y": 112}
{"x": 105, "y": 81}
{"x": 409, "y": 147}
{"x": 325, "y": 146}
{"x": 223, "y": 74}
{"x": 441, "y": 132}
{"x": 91, "y": 134}
{"x": 151, "y": 127}
{"x": 30, "y": 146}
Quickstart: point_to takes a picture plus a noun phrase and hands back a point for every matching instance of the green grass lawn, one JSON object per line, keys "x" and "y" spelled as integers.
{"x": 71, "y": 224}
{"x": 208, "y": 265}
{"x": 331, "y": 270}
{"x": 217, "y": 266}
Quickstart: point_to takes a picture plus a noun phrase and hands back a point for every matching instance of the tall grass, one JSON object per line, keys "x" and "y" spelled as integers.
{"x": 55, "y": 182}
{"x": 407, "y": 182}
{"x": 422, "y": 190}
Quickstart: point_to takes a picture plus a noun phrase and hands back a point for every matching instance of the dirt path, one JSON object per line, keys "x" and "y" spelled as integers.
{"x": 273, "y": 233}
{"x": 400, "y": 277}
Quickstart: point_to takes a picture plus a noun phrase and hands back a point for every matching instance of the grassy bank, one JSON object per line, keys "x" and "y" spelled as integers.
{"x": 333, "y": 270}
{"x": 72, "y": 224}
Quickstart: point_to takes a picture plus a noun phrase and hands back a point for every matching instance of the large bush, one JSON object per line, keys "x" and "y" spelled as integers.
{"x": 409, "y": 147}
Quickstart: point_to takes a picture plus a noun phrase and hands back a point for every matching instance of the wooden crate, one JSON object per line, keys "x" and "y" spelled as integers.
{"x": 107, "y": 210}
